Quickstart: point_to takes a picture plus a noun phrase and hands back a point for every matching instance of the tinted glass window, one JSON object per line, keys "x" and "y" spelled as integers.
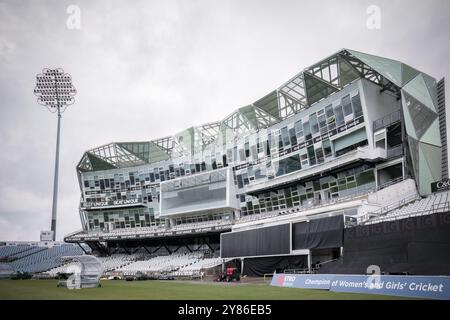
{"x": 311, "y": 155}
{"x": 347, "y": 105}
{"x": 314, "y": 123}
{"x": 329, "y": 111}
{"x": 299, "y": 128}
{"x": 306, "y": 128}
{"x": 326, "y": 147}
{"x": 285, "y": 136}
{"x": 339, "y": 115}
{"x": 356, "y": 101}
{"x": 292, "y": 136}
{"x": 322, "y": 121}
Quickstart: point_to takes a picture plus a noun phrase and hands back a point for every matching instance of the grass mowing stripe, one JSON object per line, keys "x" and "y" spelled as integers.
{"x": 167, "y": 290}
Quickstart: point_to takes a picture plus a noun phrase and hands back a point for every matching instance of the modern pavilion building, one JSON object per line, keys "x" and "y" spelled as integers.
{"x": 342, "y": 138}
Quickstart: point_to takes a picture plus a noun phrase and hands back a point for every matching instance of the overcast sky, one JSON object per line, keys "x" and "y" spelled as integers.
{"x": 147, "y": 69}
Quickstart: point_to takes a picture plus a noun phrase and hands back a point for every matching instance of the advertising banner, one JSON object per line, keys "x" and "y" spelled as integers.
{"x": 432, "y": 287}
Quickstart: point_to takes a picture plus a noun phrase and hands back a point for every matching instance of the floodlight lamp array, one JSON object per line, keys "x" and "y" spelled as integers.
{"x": 54, "y": 89}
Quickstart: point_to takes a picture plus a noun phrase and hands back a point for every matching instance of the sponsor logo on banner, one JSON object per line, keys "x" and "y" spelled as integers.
{"x": 280, "y": 280}
{"x": 310, "y": 281}
{"x": 432, "y": 287}
{"x": 440, "y": 185}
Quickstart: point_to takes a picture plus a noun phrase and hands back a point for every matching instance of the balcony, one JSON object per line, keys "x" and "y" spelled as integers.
{"x": 361, "y": 153}
{"x": 387, "y": 120}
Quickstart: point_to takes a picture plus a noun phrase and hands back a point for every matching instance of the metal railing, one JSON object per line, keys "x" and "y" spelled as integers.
{"x": 389, "y": 207}
{"x": 308, "y": 270}
{"x": 74, "y": 233}
{"x": 149, "y": 231}
{"x": 392, "y": 182}
{"x": 300, "y": 271}
{"x": 387, "y": 120}
{"x": 394, "y": 151}
{"x": 435, "y": 208}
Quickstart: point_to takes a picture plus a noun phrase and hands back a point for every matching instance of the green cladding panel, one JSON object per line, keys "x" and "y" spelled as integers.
{"x": 317, "y": 89}
{"x": 422, "y": 128}
{"x": 350, "y": 139}
{"x": 346, "y": 72}
{"x": 419, "y": 89}
{"x": 269, "y": 104}
{"x": 408, "y": 73}
{"x": 388, "y": 68}
{"x": 99, "y": 164}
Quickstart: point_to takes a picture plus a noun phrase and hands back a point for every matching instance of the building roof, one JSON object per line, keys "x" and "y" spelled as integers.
{"x": 306, "y": 88}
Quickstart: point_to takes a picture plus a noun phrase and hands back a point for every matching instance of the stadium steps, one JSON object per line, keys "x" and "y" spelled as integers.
{"x": 392, "y": 206}
{"x": 27, "y": 254}
{"x": 14, "y": 251}
{"x": 437, "y": 202}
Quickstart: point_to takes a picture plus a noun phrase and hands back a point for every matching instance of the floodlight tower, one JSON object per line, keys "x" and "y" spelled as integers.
{"x": 55, "y": 91}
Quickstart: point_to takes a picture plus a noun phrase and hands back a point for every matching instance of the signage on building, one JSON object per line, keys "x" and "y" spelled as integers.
{"x": 46, "y": 235}
{"x": 440, "y": 185}
{"x": 110, "y": 203}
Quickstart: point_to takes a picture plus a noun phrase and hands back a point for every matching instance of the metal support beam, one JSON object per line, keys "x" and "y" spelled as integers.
{"x": 115, "y": 250}
{"x": 207, "y": 243}
{"x": 124, "y": 248}
{"x": 155, "y": 249}
{"x": 190, "y": 250}
{"x": 81, "y": 247}
{"x": 167, "y": 248}
{"x": 135, "y": 250}
{"x": 145, "y": 248}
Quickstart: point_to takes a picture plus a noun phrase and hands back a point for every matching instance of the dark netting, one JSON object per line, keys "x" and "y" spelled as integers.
{"x": 262, "y": 241}
{"x": 417, "y": 245}
{"x": 265, "y": 265}
{"x": 318, "y": 234}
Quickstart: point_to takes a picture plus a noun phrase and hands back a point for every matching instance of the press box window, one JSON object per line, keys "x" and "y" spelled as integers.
{"x": 311, "y": 155}
{"x": 339, "y": 115}
{"x": 285, "y": 136}
{"x": 327, "y": 148}
{"x": 314, "y": 123}
{"x": 347, "y": 105}
{"x": 298, "y": 126}
{"x": 292, "y": 136}
{"x": 306, "y": 128}
{"x": 356, "y": 101}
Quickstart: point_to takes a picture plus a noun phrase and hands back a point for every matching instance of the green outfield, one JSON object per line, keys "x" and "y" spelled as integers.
{"x": 167, "y": 290}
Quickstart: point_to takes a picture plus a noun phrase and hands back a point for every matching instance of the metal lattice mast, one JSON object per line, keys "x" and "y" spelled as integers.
{"x": 54, "y": 90}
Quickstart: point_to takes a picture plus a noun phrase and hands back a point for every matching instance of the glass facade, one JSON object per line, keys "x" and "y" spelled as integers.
{"x": 307, "y": 124}
{"x": 346, "y": 183}
{"x": 303, "y": 142}
{"x": 122, "y": 218}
